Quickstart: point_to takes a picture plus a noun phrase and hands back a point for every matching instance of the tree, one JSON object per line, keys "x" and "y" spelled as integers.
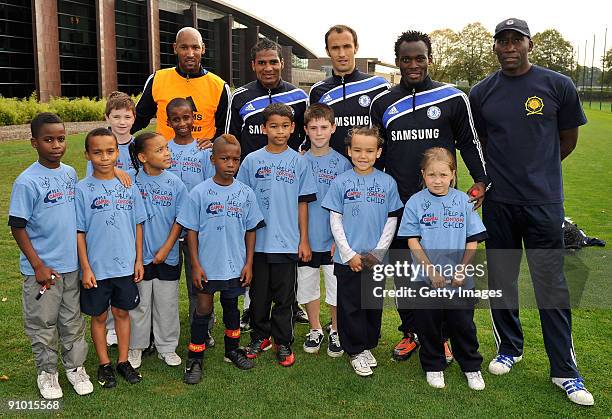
{"x": 552, "y": 51}
{"x": 475, "y": 58}
{"x": 444, "y": 45}
{"x": 607, "y": 62}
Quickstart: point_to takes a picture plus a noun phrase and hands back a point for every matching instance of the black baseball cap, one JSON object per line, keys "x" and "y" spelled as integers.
{"x": 512, "y": 24}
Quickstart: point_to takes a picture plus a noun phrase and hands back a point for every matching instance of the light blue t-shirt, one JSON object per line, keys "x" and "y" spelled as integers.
{"x": 325, "y": 169}
{"x": 365, "y": 202}
{"x": 107, "y": 213}
{"x": 164, "y": 196}
{"x": 221, "y": 215}
{"x": 124, "y": 161}
{"x": 45, "y": 199}
{"x": 443, "y": 223}
{"x": 278, "y": 180}
{"x": 190, "y": 164}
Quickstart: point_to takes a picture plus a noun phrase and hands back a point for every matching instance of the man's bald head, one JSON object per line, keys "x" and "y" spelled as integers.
{"x": 191, "y": 31}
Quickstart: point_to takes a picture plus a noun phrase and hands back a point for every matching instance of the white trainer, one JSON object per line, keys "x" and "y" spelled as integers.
{"x": 502, "y": 364}
{"x": 436, "y": 379}
{"x": 370, "y": 358}
{"x": 170, "y": 358}
{"x": 111, "y": 337}
{"x": 80, "y": 381}
{"x": 575, "y": 390}
{"x": 49, "y": 386}
{"x": 360, "y": 364}
{"x": 135, "y": 357}
{"x": 475, "y": 380}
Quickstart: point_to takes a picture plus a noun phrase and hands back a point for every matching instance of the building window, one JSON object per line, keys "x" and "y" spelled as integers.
{"x": 236, "y": 80}
{"x": 209, "y": 59}
{"x": 78, "y": 48}
{"x": 131, "y": 37}
{"x": 169, "y": 25}
{"x": 16, "y": 49}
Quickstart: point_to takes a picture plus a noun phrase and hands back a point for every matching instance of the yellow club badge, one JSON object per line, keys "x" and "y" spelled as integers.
{"x": 534, "y": 106}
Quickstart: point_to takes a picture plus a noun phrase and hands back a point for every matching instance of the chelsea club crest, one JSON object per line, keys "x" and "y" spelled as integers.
{"x": 364, "y": 100}
{"x": 433, "y": 112}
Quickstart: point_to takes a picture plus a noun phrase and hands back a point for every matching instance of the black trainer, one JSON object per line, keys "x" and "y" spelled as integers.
{"x": 245, "y": 321}
{"x": 106, "y": 376}
{"x": 239, "y": 359}
{"x": 285, "y": 355}
{"x": 313, "y": 341}
{"x": 333, "y": 348}
{"x": 193, "y": 371}
{"x": 300, "y": 316}
{"x": 128, "y": 372}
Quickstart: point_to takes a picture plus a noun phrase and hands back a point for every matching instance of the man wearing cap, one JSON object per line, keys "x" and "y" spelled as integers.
{"x": 527, "y": 118}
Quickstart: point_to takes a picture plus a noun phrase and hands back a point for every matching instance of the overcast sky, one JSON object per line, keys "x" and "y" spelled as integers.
{"x": 379, "y": 22}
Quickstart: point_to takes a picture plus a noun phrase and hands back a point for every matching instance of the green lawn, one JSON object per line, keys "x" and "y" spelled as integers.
{"x": 318, "y": 385}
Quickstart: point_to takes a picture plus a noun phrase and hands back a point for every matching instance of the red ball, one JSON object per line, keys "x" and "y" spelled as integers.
{"x": 474, "y": 192}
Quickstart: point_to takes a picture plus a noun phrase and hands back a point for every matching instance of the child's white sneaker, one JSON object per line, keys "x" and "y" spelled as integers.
{"x": 135, "y": 357}
{"x": 170, "y": 358}
{"x": 80, "y": 381}
{"x": 370, "y": 358}
{"x": 502, "y": 364}
{"x": 575, "y": 390}
{"x": 49, "y": 386}
{"x": 435, "y": 379}
{"x": 361, "y": 365}
{"x": 475, "y": 380}
{"x": 111, "y": 337}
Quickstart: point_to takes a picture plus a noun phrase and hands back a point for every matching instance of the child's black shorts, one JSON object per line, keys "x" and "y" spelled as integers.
{"x": 161, "y": 271}
{"x": 318, "y": 259}
{"x": 231, "y": 288}
{"x": 120, "y": 292}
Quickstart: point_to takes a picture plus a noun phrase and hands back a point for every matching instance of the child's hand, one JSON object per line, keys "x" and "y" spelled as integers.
{"x": 355, "y": 263}
{"x": 304, "y": 252}
{"x": 437, "y": 280}
{"x": 161, "y": 256}
{"x": 333, "y": 249}
{"x": 246, "y": 275}
{"x": 46, "y": 276}
{"x": 88, "y": 279}
{"x": 138, "y": 271}
{"x": 458, "y": 280}
{"x": 203, "y": 144}
{"x": 369, "y": 260}
{"x": 198, "y": 276}
{"x": 123, "y": 177}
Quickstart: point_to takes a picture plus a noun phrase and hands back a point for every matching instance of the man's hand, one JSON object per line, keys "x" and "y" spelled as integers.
{"x": 123, "y": 177}
{"x": 458, "y": 280}
{"x": 476, "y": 194}
{"x": 355, "y": 263}
{"x": 88, "y": 279}
{"x": 246, "y": 275}
{"x": 304, "y": 252}
{"x": 369, "y": 260}
{"x": 45, "y": 275}
{"x": 138, "y": 271}
{"x": 204, "y": 144}
{"x": 198, "y": 276}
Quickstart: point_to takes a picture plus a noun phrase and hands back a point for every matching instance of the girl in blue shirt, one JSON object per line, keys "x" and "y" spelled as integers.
{"x": 163, "y": 195}
{"x": 443, "y": 231}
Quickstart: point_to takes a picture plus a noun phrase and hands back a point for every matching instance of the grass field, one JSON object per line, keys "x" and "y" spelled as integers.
{"x": 318, "y": 385}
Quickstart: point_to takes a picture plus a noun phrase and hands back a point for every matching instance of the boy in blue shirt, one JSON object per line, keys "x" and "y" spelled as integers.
{"x": 325, "y": 163}
{"x": 222, "y": 215}
{"x": 284, "y": 184}
{"x": 42, "y": 218}
{"x": 364, "y": 204}
{"x": 192, "y": 165}
{"x": 109, "y": 242}
{"x": 119, "y": 113}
